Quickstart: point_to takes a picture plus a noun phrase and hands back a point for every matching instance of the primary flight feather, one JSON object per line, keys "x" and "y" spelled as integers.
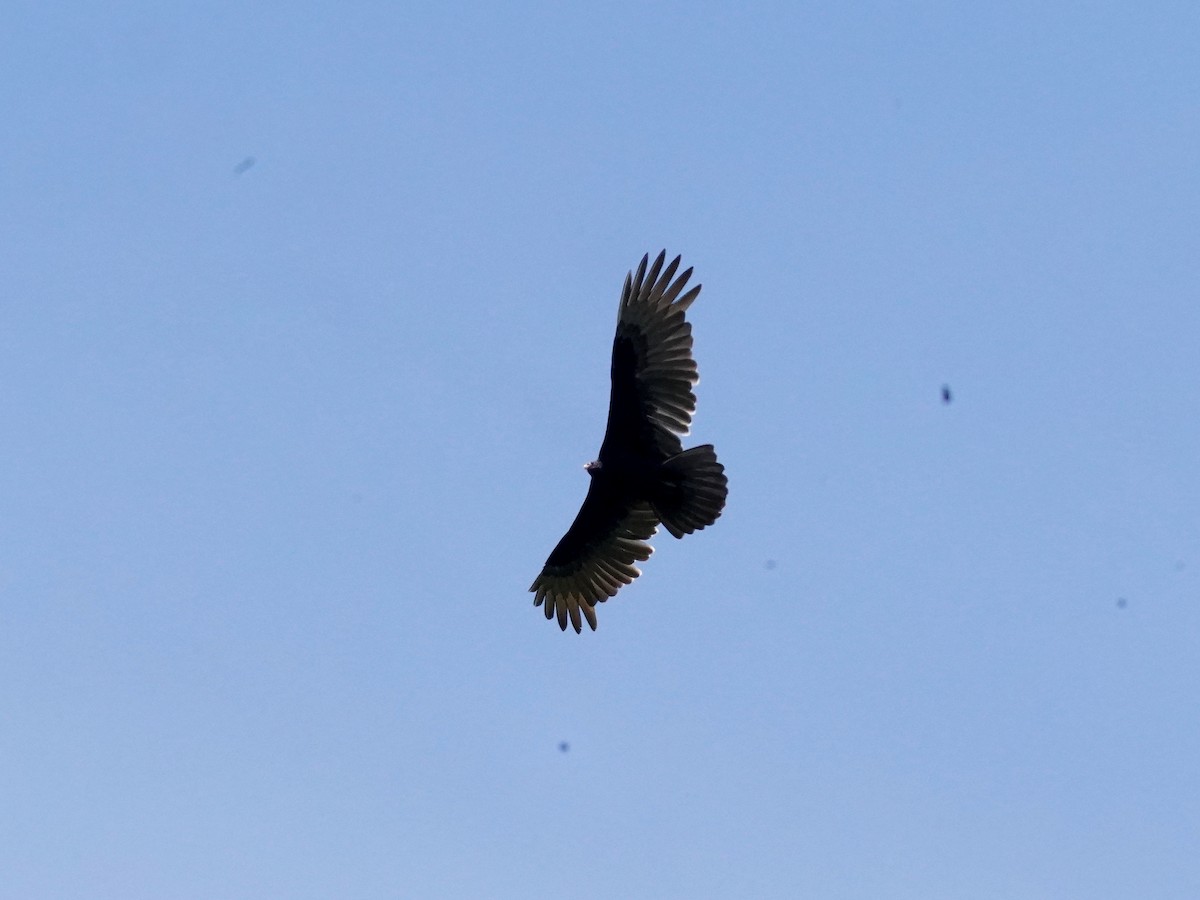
{"x": 642, "y": 477}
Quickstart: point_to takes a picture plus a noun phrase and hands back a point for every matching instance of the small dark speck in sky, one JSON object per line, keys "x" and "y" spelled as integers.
{"x": 770, "y": 564}
{"x": 244, "y": 165}
{"x": 563, "y": 746}
{"x": 1122, "y": 603}
{"x": 946, "y": 395}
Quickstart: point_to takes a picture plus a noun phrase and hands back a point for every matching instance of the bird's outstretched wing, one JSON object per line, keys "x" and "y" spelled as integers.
{"x": 595, "y": 557}
{"x": 652, "y": 367}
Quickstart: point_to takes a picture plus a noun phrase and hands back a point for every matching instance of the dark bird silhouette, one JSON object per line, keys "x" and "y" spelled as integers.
{"x": 946, "y": 395}
{"x": 643, "y": 476}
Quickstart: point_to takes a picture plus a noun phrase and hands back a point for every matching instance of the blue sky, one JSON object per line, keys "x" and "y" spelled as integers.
{"x": 285, "y": 447}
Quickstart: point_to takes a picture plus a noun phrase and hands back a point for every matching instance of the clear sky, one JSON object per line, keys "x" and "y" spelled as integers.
{"x": 305, "y": 314}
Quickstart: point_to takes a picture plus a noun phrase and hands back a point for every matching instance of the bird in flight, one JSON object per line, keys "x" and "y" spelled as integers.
{"x": 642, "y": 477}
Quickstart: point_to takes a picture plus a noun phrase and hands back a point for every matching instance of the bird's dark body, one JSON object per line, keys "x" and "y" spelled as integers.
{"x": 629, "y": 475}
{"x": 621, "y": 480}
{"x": 642, "y": 476}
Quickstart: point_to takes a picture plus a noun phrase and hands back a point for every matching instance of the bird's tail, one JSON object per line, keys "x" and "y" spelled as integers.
{"x": 692, "y": 491}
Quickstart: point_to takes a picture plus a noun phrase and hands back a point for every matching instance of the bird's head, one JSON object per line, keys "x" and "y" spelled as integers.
{"x": 593, "y": 467}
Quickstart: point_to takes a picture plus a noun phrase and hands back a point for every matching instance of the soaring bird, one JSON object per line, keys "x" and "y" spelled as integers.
{"x": 642, "y": 477}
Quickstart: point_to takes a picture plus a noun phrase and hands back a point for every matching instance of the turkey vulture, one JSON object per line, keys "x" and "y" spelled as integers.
{"x": 643, "y": 476}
